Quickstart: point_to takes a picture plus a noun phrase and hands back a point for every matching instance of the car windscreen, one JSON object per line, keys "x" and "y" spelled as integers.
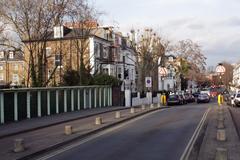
{"x": 173, "y": 97}
{"x": 238, "y": 96}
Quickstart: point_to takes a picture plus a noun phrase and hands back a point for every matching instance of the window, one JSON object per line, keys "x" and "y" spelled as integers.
{"x": 97, "y": 49}
{"x": 1, "y": 77}
{"x": 2, "y": 54}
{"x": 1, "y": 67}
{"x": 58, "y": 60}
{"x": 105, "y": 70}
{"x": 15, "y": 78}
{"x": 105, "y": 52}
{"x": 48, "y": 51}
{"x": 11, "y": 55}
{"x": 15, "y": 67}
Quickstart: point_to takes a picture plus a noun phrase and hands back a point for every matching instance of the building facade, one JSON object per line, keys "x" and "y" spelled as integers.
{"x": 236, "y": 77}
{"x": 11, "y": 68}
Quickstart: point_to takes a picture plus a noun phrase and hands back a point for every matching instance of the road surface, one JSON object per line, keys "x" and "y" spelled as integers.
{"x": 162, "y": 135}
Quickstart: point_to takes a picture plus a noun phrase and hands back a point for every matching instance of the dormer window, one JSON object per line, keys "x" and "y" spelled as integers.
{"x": 11, "y": 55}
{"x": 2, "y": 54}
{"x": 58, "y": 32}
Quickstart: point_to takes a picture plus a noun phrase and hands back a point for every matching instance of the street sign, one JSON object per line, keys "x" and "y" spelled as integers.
{"x": 148, "y": 81}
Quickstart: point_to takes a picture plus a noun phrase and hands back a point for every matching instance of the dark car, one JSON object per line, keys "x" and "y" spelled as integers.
{"x": 203, "y": 98}
{"x": 175, "y": 99}
{"x": 189, "y": 98}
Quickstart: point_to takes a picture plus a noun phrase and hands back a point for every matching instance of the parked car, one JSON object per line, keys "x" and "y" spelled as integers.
{"x": 190, "y": 98}
{"x": 203, "y": 98}
{"x": 236, "y": 100}
{"x": 182, "y": 96}
{"x": 174, "y": 99}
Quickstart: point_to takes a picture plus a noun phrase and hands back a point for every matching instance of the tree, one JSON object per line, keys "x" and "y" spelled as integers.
{"x": 32, "y": 22}
{"x": 105, "y": 79}
{"x": 191, "y": 62}
{"x": 149, "y": 48}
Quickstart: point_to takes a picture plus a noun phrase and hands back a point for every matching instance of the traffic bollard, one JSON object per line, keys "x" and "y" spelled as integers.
{"x": 18, "y": 145}
{"x": 68, "y": 130}
{"x": 132, "y": 110}
{"x": 118, "y": 115}
{"x": 152, "y": 106}
{"x": 98, "y": 121}
{"x": 143, "y": 107}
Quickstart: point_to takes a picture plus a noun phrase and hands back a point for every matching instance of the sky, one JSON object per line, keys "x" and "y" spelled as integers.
{"x": 214, "y": 24}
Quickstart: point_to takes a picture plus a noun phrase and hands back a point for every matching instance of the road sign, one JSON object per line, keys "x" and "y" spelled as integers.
{"x": 148, "y": 81}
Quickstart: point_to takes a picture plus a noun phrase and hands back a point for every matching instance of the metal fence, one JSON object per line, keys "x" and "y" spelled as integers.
{"x": 23, "y": 103}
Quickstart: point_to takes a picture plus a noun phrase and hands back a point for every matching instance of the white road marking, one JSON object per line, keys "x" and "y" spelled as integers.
{"x": 194, "y": 137}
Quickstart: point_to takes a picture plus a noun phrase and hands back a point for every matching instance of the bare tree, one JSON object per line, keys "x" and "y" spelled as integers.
{"x": 149, "y": 48}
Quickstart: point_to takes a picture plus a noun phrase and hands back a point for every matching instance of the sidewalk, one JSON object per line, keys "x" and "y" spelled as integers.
{"x": 48, "y": 138}
{"x": 210, "y": 143}
{"x": 37, "y": 123}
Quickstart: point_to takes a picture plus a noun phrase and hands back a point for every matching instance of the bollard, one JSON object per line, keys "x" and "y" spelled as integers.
{"x": 132, "y": 110}
{"x": 220, "y": 117}
{"x": 118, "y": 115}
{"x": 143, "y": 107}
{"x": 19, "y": 145}
{"x": 159, "y": 105}
{"x": 220, "y": 124}
{"x": 98, "y": 120}
{"x": 221, "y": 135}
{"x": 221, "y": 154}
{"x": 68, "y": 130}
{"x": 152, "y": 106}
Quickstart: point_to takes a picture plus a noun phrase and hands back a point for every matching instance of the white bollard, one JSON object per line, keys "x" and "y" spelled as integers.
{"x": 159, "y": 105}
{"x": 18, "y": 145}
{"x": 132, "y": 110}
{"x": 221, "y": 154}
{"x": 68, "y": 130}
{"x": 143, "y": 107}
{"x": 221, "y": 135}
{"x": 152, "y": 106}
{"x": 98, "y": 121}
{"x": 118, "y": 115}
{"x": 220, "y": 124}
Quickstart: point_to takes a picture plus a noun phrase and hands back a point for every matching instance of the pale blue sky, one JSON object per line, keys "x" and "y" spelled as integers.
{"x": 215, "y": 24}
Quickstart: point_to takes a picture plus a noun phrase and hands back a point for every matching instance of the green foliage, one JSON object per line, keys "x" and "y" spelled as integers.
{"x": 71, "y": 78}
{"x": 104, "y": 79}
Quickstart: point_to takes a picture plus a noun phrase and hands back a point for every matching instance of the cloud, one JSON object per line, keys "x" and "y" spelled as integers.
{"x": 196, "y": 26}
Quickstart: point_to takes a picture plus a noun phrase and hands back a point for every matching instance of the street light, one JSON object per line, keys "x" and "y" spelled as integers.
{"x": 220, "y": 69}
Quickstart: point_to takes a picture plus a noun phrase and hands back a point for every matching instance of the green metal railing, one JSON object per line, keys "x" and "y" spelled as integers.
{"x": 23, "y": 103}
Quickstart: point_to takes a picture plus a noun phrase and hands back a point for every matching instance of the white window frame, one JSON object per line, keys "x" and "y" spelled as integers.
{"x": 11, "y": 56}
{"x": 2, "y": 54}
{"x": 1, "y": 67}
{"x": 48, "y": 51}
{"x": 16, "y": 67}
{"x": 1, "y": 77}
{"x": 15, "y": 78}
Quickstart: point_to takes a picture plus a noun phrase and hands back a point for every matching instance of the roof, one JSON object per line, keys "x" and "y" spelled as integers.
{"x": 17, "y": 56}
{"x": 74, "y": 33}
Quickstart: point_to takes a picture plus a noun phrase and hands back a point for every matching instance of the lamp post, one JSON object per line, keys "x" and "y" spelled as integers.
{"x": 220, "y": 69}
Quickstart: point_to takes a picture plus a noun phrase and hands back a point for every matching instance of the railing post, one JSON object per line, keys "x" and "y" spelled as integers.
{"x": 84, "y": 99}
{"x": 72, "y": 100}
{"x": 100, "y": 97}
{"x": 15, "y": 106}
{"x": 108, "y": 93}
{"x": 39, "y": 103}
{"x": 48, "y": 103}
{"x": 2, "y": 107}
{"x": 28, "y": 105}
{"x": 104, "y": 97}
{"x": 78, "y": 99}
{"x": 110, "y": 96}
{"x": 90, "y": 98}
{"x": 65, "y": 100}
{"x": 95, "y": 97}
{"x": 57, "y": 101}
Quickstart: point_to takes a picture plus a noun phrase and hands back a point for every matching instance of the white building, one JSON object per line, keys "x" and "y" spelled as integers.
{"x": 236, "y": 77}
{"x": 169, "y": 81}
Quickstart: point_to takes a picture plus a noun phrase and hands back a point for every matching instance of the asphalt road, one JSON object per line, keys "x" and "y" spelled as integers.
{"x": 163, "y": 135}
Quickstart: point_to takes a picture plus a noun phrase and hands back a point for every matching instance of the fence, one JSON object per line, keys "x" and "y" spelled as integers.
{"x": 146, "y": 98}
{"x": 23, "y": 103}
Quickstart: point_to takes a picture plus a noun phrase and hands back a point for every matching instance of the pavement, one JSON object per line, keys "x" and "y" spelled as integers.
{"x": 210, "y": 142}
{"x": 44, "y": 134}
